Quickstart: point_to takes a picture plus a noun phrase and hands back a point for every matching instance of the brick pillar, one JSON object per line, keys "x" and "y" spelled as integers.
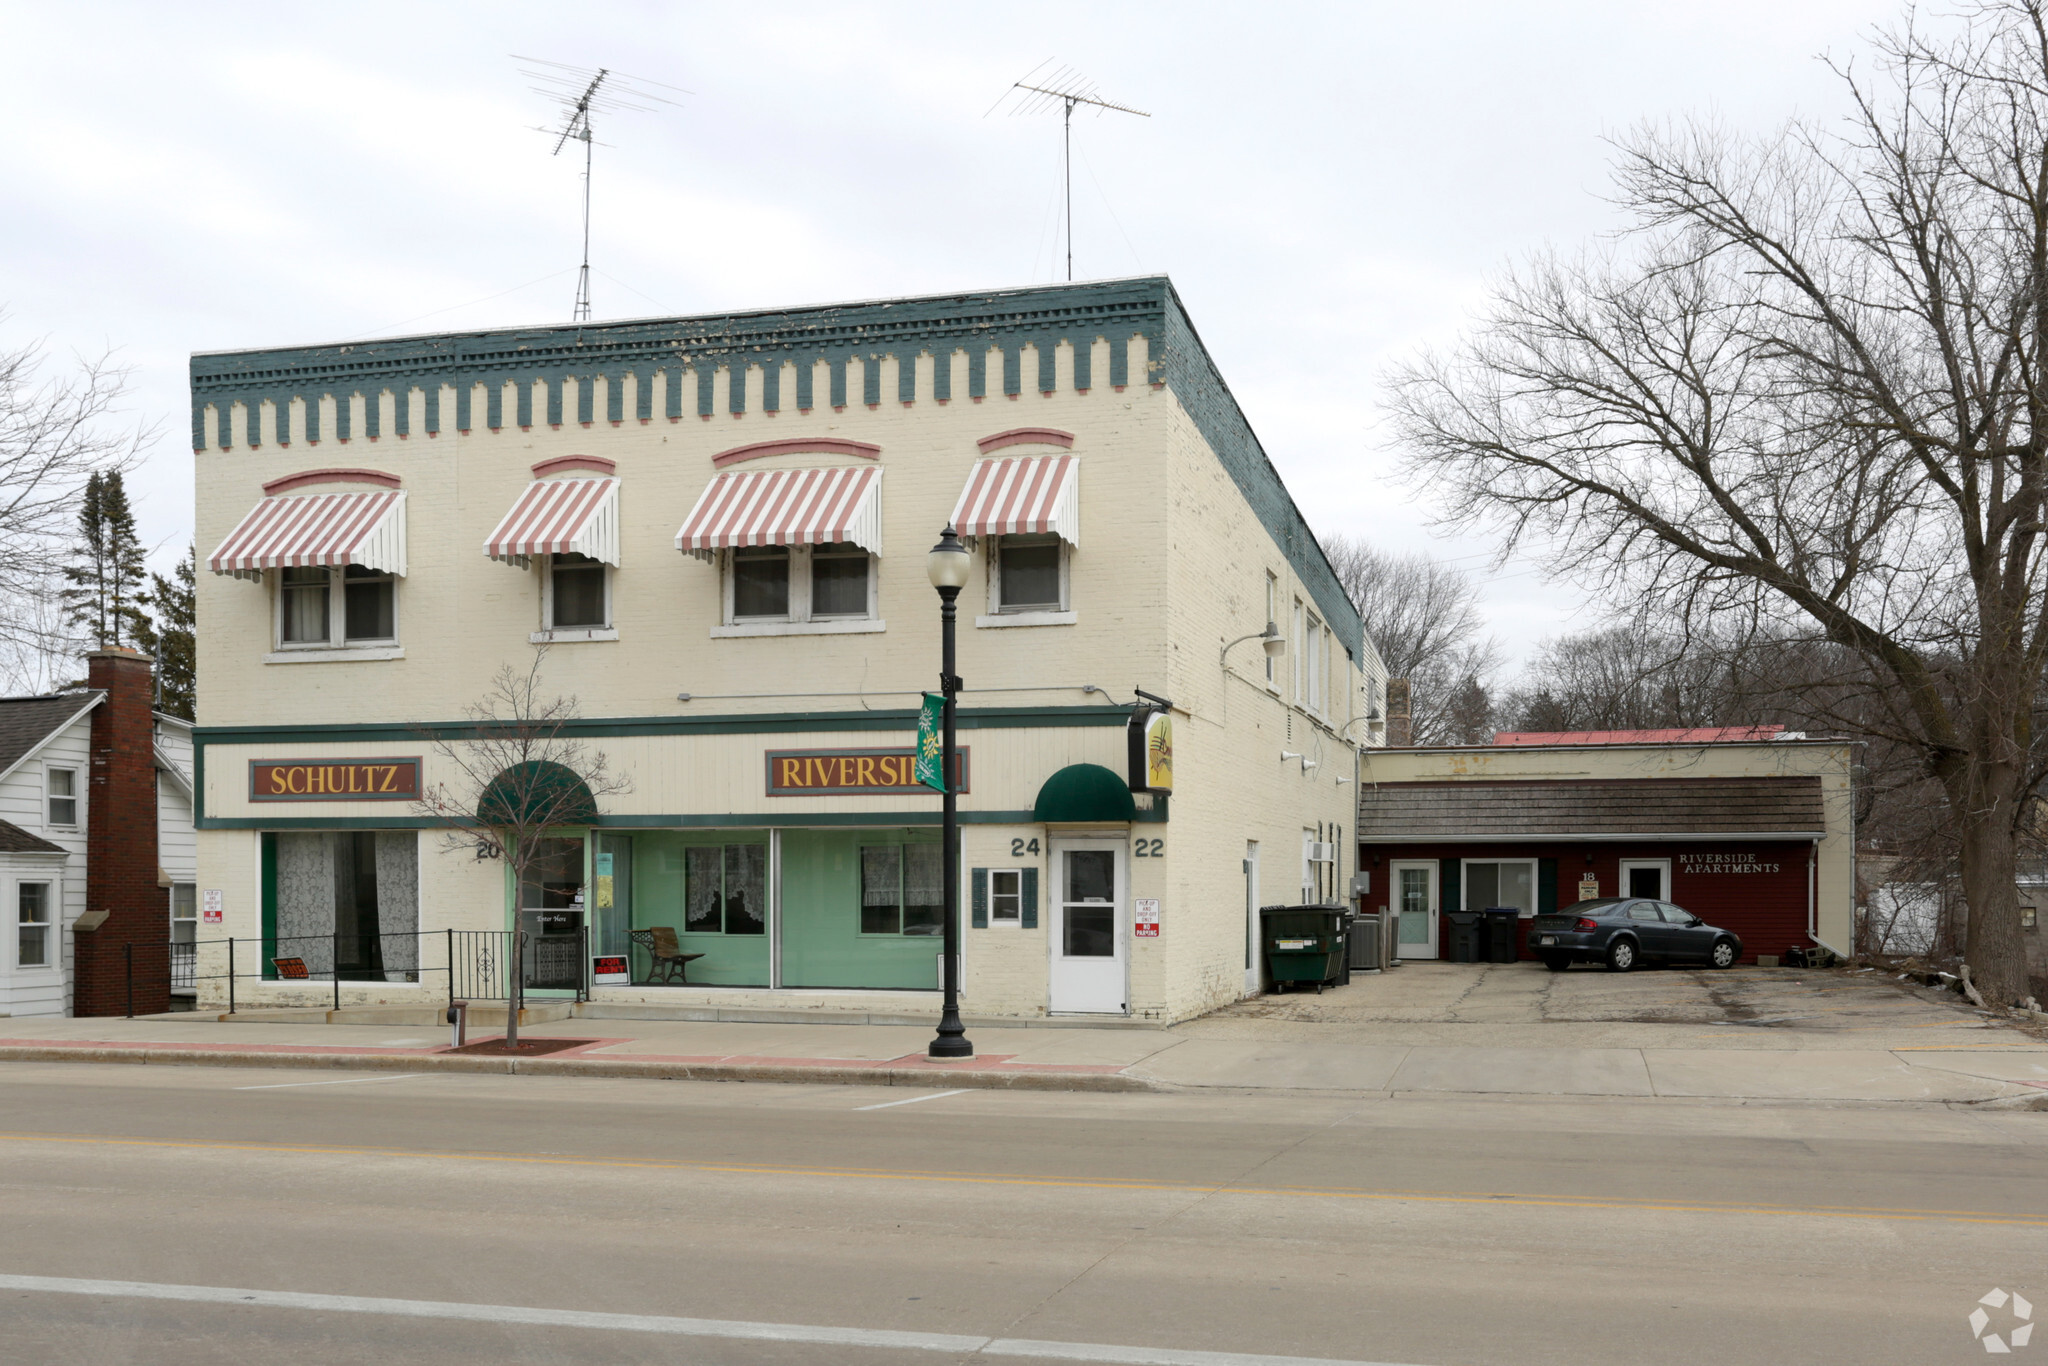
{"x": 1400, "y": 720}
{"x": 121, "y": 855}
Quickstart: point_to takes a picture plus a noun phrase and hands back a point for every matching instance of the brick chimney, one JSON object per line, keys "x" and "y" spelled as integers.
{"x": 121, "y": 853}
{"x": 1400, "y": 719}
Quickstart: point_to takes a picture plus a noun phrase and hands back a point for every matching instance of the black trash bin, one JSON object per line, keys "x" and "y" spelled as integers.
{"x": 1464, "y": 935}
{"x": 1500, "y": 933}
{"x": 1304, "y": 944}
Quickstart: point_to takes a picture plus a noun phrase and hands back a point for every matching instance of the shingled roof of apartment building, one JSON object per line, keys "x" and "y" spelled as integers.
{"x": 1467, "y": 809}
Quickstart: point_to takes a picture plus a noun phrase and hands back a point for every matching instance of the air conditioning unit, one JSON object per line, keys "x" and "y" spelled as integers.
{"x": 1321, "y": 852}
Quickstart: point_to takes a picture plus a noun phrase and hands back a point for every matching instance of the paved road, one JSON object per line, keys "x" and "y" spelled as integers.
{"x": 510, "y": 1216}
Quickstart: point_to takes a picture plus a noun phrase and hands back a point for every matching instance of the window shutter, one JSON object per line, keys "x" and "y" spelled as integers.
{"x": 980, "y": 903}
{"x": 1029, "y": 883}
{"x": 1448, "y": 886}
{"x": 1546, "y": 886}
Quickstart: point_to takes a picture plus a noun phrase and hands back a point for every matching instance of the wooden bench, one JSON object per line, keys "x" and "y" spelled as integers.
{"x": 665, "y": 955}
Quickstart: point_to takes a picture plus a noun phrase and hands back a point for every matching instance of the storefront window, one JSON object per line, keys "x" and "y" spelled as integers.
{"x": 712, "y": 890}
{"x": 861, "y": 908}
{"x": 345, "y": 902}
{"x": 900, "y": 889}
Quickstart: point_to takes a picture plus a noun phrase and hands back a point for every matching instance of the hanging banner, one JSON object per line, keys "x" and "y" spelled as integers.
{"x": 930, "y": 740}
{"x": 1149, "y": 737}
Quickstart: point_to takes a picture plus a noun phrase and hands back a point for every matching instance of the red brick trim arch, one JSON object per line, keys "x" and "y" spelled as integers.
{"x": 821, "y": 445}
{"x": 1026, "y": 436}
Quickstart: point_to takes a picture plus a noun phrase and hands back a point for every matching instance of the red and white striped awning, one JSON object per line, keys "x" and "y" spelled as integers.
{"x": 316, "y": 529}
{"x": 557, "y": 517}
{"x": 786, "y": 507}
{"x": 1023, "y": 496}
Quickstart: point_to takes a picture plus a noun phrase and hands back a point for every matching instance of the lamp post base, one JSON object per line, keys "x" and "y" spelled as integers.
{"x": 952, "y": 1041}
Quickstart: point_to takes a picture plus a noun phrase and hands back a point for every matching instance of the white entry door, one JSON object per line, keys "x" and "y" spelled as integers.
{"x": 1646, "y": 877}
{"x": 1413, "y": 904}
{"x": 1088, "y": 927}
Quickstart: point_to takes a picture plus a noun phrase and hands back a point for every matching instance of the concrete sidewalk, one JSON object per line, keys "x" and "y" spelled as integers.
{"x": 1956, "y": 1057}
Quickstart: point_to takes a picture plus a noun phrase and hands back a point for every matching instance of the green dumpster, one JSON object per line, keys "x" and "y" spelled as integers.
{"x": 1304, "y": 944}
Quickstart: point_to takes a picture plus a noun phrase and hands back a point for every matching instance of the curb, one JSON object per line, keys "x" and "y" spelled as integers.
{"x": 937, "y": 1074}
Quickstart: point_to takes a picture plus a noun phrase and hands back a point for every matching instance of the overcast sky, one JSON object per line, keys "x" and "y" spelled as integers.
{"x": 1330, "y": 186}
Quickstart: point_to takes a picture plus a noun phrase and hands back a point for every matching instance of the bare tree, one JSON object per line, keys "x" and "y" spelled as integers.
{"x": 1423, "y": 616}
{"x": 518, "y": 772}
{"x": 55, "y": 434}
{"x": 1805, "y": 392}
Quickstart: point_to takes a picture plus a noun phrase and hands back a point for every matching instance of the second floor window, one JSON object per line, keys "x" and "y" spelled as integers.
{"x": 62, "y": 785}
{"x": 578, "y": 593}
{"x": 313, "y": 602}
{"x": 771, "y": 583}
{"x": 1030, "y": 574}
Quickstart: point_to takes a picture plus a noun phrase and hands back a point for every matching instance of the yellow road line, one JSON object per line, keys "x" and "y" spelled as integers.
{"x": 1062, "y": 1183}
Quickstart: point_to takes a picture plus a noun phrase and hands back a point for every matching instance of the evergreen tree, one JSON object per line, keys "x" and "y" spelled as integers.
{"x": 105, "y": 574}
{"x": 170, "y": 637}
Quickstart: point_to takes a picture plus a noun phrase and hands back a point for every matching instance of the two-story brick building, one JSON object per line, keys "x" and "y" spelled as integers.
{"x": 717, "y": 527}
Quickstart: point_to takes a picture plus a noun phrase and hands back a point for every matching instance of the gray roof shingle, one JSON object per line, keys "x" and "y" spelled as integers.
{"x": 26, "y": 721}
{"x": 1497, "y": 809}
{"x": 15, "y": 840}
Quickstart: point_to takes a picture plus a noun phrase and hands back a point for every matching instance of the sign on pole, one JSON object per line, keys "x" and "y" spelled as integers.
{"x": 931, "y": 768}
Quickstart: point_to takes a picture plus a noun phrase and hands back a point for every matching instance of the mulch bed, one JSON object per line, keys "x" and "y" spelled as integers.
{"x": 525, "y": 1048}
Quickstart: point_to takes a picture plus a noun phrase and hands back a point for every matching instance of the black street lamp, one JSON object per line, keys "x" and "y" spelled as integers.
{"x": 947, "y": 564}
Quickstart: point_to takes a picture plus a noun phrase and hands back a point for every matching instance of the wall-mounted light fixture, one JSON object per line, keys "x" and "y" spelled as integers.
{"x": 1274, "y": 644}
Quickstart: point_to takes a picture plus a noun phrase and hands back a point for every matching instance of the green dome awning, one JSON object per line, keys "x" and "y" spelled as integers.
{"x": 536, "y": 791}
{"x": 1083, "y": 793}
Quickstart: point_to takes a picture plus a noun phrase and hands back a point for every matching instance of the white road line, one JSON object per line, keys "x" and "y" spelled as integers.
{"x": 674, "y": 1327}
{"x": 344, "y": 1081}
{"x": 936, "y": 1095}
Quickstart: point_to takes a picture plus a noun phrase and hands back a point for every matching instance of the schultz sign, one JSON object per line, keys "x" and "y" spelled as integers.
{"x": 334, "y": 780}
{"x": 850, "y": 772}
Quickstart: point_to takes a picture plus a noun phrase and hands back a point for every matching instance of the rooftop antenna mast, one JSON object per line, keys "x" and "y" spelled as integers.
{"x": 582, "y": 92}
{"x": 1066, "y": 87}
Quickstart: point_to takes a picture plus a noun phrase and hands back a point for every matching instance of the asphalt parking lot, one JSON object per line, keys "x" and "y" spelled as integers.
{"x": 1833, "y": 1000}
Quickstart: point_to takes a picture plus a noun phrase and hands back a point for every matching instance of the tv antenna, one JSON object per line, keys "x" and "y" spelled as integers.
{"x": 1065, "y": 87}
{"x": 583, "y": 92}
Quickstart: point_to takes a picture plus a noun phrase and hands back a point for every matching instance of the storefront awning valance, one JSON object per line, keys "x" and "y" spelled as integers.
{"x": 1018, "y": 497}
{"x": 559, "y": 517}
{"x": 332, "y": 529}
{"x": 538, "y": 792}
{"x": 1084, "y": 793}
{"x": 1654, "y": 808}
{"x": 786, "y": 507}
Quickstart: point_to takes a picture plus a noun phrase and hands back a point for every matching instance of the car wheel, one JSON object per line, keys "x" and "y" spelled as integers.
{"x": 1621, "y": 956}
{"x": 1556, "y": 962}
{"x": 1723, "y": 955}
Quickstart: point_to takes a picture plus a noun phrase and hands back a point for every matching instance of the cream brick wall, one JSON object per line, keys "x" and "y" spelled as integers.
{"x": 1171, "y": 564}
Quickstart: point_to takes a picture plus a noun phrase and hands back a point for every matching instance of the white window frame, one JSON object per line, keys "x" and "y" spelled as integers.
{"x": 75, "y": 797}
{"x": 53, "y": 916}
{"x": 1273, "y": 617}
{"x": 1011, "y": 922}
{"x": 799, "y": 622}
{"x": 1628, "y": 865}
{"x": 1316, "y": 656}
{"x": 549, "y": 633}
{"x": 999, "y": 616}
{"x": 337, "y": 646}
{"x": 1465, "y": 882}
{"x": 1297, "y": 641}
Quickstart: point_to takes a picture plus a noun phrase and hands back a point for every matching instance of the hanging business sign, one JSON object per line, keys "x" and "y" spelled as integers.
{"x": 855, "y": 772}
{"x": 334, "y": 780}
{"x": 1149, "y": 739}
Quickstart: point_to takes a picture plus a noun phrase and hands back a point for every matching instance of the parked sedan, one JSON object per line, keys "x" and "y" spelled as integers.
{"x": 1624, "y": 931}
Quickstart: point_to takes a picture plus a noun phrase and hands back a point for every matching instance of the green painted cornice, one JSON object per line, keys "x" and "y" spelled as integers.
{"x": 1041, "y": 317}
